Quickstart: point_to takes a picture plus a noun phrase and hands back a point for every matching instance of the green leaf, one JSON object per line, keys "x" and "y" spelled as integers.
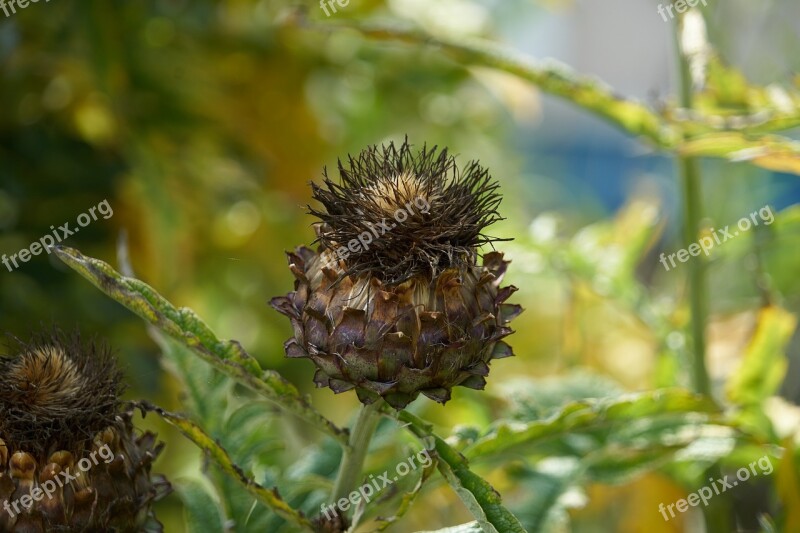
{"x": 255, "y": 442}
{"x": 764, "y": 364}
{"x": 543, "y": 488}
{"x": 187, "y": 328}
{"x": 242, "y": 426}
{"x": 202, "y": 512}
{"x": 535, "y": 399}
{"x": 408, "y": 498}
{"x": 482, "y": 500}
{"x": 631, "y": 412}
{"x": 612, "y": 465}
{"x": 222, "y": 459}
{"x": 727, "y": 100}
{"x": 727, "y": 87}
{"x": 206, "y": 390}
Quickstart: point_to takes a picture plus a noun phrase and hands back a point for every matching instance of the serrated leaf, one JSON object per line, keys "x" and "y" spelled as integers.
{"x": 183, "y": 325}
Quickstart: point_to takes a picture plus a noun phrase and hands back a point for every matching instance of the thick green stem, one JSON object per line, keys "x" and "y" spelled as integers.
{"x": 355, "y": 454}
{"x": 717, "y": 514}
{"x": 691, "y": 187}
{"x": 698, "y": 301}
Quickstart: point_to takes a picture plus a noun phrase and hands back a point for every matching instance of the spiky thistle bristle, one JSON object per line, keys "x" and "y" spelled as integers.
{"x": 405, "y": 214}
{"x": 57, "y": 391}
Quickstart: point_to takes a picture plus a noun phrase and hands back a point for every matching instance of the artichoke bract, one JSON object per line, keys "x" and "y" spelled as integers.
{"x": 70, "y": 459}
{"x": 393, "y": 302}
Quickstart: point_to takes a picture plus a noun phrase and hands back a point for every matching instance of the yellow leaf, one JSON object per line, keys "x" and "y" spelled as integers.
{"x": 763, "y": 366}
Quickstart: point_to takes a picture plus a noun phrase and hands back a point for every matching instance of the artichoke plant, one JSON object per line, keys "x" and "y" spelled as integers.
{"x": 69, "y": 457}
{"x": 394, "y": 302}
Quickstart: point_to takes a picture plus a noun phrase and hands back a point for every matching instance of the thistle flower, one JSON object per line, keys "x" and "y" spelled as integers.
{"x": 393, "y": 302}
{"x": 69, "y": 458}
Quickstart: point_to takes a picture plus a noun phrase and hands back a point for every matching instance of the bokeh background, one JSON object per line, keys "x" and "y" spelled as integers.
{"x": 203, "y": 122}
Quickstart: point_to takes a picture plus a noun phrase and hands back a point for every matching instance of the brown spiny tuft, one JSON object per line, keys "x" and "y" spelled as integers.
{"x": 421, "y": 213}
{"x": 57, "y": 390}
{"x": 404, "y": 309}
{"x": 60, "y": 411}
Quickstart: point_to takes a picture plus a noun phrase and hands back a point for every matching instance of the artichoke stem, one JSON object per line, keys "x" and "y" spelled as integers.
{"x": 354, "y": 455}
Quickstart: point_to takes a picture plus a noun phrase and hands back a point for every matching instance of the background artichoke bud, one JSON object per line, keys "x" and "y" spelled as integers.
{"x": 394, "y": 302}
{"x": 69, "y": 457}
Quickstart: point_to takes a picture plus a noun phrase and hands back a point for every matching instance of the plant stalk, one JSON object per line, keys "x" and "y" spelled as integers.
{"x": 355, "y": 454}
{"x": 691, "y": 188}
{"x": 698, "y": 291}
{"x": 718, "y": 514}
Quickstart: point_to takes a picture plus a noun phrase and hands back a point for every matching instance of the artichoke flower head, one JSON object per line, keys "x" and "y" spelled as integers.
{"x": 393, "y": 302}
{"x": 69, "y": 457}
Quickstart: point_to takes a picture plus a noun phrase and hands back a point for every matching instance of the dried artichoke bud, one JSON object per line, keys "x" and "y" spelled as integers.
{"x": 394, "y": 302}
{"x": 70, "y": 459}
